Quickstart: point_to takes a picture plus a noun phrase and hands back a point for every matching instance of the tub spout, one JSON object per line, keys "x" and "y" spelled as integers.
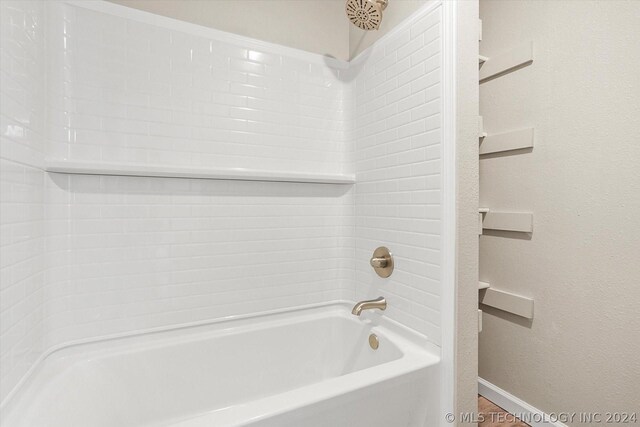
{"x": 380, "y": 303}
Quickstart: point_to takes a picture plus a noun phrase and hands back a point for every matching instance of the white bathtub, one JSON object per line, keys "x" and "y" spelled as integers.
{"x": 311, "y": 367}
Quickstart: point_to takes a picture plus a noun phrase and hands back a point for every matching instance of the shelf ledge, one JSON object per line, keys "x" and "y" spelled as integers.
{"x": 521, "y": 222}
{"x": 506, "y": 301}
{"x": 238, "y": 174}
{"x": 507, "y": 141}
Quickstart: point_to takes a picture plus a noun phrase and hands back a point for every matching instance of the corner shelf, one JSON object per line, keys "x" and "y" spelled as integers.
{"x": 239, "y": 174}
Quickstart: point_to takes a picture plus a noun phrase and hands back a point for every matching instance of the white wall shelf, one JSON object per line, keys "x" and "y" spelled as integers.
{"x": 483, "y": 285}
{"x": 507, "y": 62}
{"x": 507, "y": 141}
{"x": 506, "y": 301}
{"x": 131, "y": 169}
{"x": 507, "y": 221}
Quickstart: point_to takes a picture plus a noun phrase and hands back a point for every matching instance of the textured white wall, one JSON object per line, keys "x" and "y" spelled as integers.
{"x": 581, "y": 181}
{"x": 22, "y": 267}
{"x": 465, "y": 357}
{"x": 398, "y": 170}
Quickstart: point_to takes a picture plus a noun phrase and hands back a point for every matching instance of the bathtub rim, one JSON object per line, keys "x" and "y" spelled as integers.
{"x": 374, "y": 319}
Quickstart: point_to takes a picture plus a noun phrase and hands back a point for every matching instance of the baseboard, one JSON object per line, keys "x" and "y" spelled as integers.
{"x": 518, "y": 407}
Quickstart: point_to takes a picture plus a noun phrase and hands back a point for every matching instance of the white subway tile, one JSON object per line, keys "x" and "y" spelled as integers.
{"x": 397, "y": 191}
{"x": 126, "y": 253}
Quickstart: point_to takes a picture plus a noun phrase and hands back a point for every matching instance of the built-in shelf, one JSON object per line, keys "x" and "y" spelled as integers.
{"x": 506, "y": 301}
{"x": 242, "y": 174}
{"x": 507, "y": 141}
{"x": 504, "y": 63}
{"x": 506, "y": 221}
{"x": 482, "y": 59}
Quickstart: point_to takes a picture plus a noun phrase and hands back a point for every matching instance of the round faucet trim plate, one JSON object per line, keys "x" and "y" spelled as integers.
{"x": 382, "y": 262}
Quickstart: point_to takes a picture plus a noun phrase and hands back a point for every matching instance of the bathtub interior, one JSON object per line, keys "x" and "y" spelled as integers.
{"x": 149, "y": 379}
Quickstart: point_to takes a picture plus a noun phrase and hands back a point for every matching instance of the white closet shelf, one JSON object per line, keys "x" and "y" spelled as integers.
{"x": 506, "y": 301}
{"x": 506, "y": 221}
{"x": 241, "y": 174}
{"x": 483, "y": 285}
{"x": 507, "y": 141}
{"x": 482, "y": 59}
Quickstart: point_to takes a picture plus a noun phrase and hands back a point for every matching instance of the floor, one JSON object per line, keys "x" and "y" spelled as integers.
{"x": 494, "y": 416}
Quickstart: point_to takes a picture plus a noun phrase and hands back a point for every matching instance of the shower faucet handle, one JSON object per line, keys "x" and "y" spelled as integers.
{"x": 378, "y": 262}
{"x": 382, "y": 262}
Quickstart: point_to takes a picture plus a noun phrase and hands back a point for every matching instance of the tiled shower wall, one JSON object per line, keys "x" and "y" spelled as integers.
{"x": 398, "y": 170}
{"x": 22, "y": 267}
{"x": 138, "y": 253}
{"x": 125, "y": 91}
{"x": 132, "y": 253}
